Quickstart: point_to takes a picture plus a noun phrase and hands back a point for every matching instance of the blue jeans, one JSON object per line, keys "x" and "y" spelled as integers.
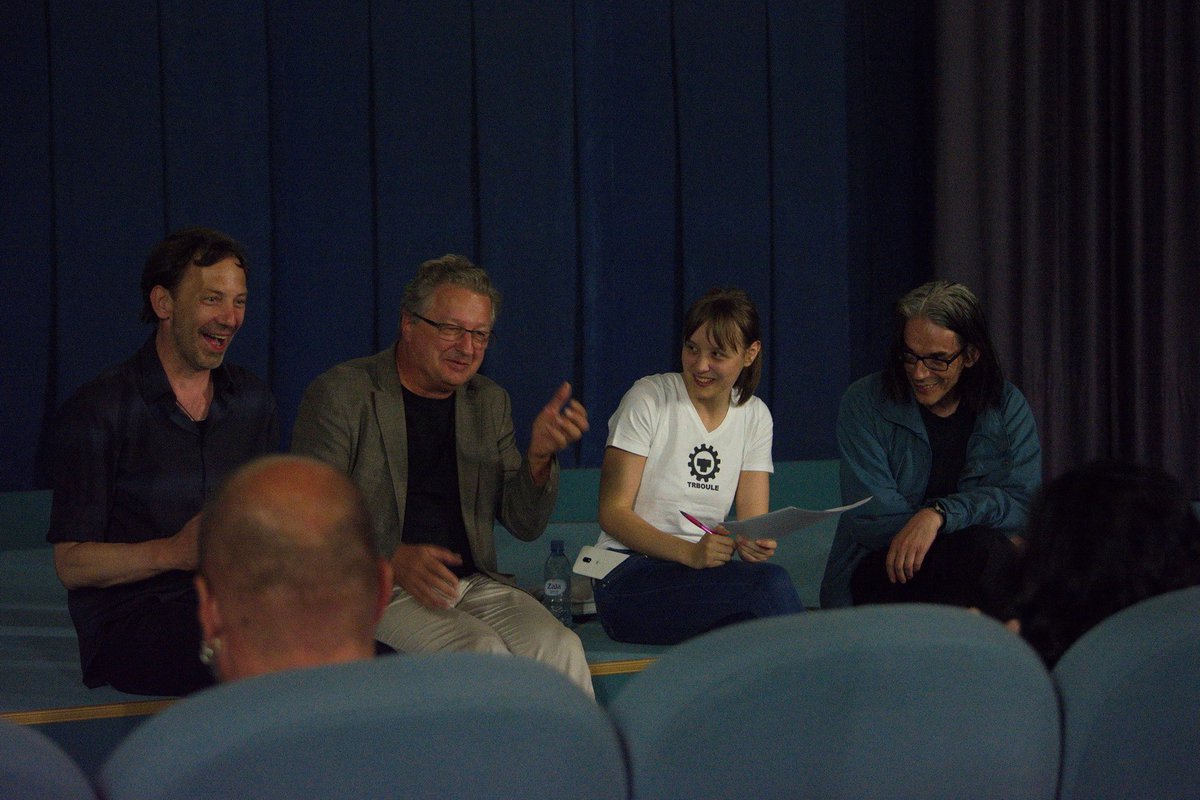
{"x": 649, "y": 601}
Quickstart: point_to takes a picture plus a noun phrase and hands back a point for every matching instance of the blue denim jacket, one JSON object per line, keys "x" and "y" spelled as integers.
{"x": 885, "y": 453}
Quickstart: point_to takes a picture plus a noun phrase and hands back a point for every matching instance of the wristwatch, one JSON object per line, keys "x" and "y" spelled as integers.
{"x": 941, "y": 509}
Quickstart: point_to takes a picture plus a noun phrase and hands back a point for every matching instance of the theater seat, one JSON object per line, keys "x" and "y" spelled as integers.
{"x": 1130, "y": 692}
{"x": 33, "y": 767}
{"x": 905, "y": 701}
{"x": 432, "y": 726}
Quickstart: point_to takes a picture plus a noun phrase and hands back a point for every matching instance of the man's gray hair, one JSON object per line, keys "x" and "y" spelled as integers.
{"x": 454, "y": 269}
{"x": 944, "y": 303}
{"x": 956, "y": 308}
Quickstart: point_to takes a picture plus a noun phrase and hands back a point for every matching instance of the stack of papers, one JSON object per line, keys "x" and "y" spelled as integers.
{"x": 788, "y": 520}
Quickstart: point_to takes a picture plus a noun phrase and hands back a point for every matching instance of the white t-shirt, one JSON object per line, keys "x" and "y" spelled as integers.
{"x": 687, "y": 467}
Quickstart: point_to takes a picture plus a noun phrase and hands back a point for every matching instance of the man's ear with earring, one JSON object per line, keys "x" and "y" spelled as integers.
{"x": 210, "y": 624}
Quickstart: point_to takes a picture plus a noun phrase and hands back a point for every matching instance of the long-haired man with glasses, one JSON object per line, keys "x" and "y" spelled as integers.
{"x": 949, "y": 452}
{"x": 430, "y": 444}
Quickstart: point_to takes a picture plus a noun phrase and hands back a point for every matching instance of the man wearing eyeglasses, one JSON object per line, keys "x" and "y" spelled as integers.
{"x": 430, "y": 444}
{"x": 949, "y": 452}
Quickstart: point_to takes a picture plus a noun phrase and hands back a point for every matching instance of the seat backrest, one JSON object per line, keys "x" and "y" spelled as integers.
{"x": 426, "y": 726}
{"x": 24, "y": 519}
{"x": 904, "y": 701}
{"x": 34, "y": 767}
{"x": 1130, "y": 691}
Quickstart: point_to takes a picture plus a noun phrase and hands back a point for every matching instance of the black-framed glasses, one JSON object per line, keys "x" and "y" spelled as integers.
{"x": 452, "y": 333}
{"x": 932, "y": 363}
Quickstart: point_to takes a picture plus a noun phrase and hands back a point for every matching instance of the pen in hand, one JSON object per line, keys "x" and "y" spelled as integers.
{"x": 699, "y": 524}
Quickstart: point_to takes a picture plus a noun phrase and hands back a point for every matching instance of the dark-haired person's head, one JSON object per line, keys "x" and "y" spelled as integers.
{"x": 941, "y": 352}
{"x": 194, "y": 289}
{"x": 724, "y": 320}
{"x": 289, "y": 575}
{"x": 169, "y": 260}
{"x": 1102, "y": 537}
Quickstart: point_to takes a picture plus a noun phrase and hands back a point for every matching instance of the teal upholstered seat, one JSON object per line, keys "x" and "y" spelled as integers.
{"x": 32, "y": 767}
{"x": 430, "y": 726}
{"x": 1130, "y": 692}
{"x": 906, "y": 701}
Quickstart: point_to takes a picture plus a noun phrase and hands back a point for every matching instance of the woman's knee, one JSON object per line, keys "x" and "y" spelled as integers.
{"x": 776, "y": 592}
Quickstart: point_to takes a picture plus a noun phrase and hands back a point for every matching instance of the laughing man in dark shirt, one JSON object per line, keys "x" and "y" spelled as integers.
{"x": 138, "y": 451}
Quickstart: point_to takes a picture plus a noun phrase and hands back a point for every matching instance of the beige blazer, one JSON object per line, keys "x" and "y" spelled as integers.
{"x": 352, "y": 417}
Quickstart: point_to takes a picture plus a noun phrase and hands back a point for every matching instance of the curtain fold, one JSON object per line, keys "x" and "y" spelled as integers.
{"x": 1066, "y": 195}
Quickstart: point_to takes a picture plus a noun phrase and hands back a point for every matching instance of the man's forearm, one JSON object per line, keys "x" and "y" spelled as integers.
{"x": 526, "y": 506}
{"x": 102, "y": 564}
{"x": 539, "y": 468}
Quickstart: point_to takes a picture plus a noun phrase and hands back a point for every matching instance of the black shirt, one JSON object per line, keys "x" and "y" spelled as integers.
{"x": 131, "y": 467}
{"x": 433, "y": 509}
{"x": 948, "y": 437}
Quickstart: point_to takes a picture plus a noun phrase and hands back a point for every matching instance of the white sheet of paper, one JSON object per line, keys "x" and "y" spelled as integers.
{"x": 788, "y": 520}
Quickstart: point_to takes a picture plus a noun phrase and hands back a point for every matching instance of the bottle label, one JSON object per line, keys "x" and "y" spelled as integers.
{"x": 556, "y": 587}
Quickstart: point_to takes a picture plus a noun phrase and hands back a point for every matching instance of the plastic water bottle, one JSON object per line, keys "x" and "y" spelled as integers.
{"x": 557, "y": 588}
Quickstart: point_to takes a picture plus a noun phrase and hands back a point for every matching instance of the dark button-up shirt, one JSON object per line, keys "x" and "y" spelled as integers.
{"x": 130, "y": 466}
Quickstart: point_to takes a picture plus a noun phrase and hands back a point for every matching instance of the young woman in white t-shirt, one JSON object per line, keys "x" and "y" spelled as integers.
{"x": 696, "y": 441}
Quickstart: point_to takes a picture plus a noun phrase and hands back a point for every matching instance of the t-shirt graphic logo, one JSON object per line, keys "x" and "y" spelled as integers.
{"x": 704, "y": 463}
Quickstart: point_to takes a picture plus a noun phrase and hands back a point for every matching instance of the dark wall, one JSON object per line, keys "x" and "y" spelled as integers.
{"x": 606, "y": 162}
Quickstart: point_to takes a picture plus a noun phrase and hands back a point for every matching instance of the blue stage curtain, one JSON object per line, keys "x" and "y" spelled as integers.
{"x": 606, "y": 161}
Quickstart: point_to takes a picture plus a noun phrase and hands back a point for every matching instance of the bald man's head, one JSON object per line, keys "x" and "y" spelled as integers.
{"x": 288, "y": 565}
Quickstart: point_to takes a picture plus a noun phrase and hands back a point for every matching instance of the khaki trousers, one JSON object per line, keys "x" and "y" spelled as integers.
{"x": 488, "y": 617}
